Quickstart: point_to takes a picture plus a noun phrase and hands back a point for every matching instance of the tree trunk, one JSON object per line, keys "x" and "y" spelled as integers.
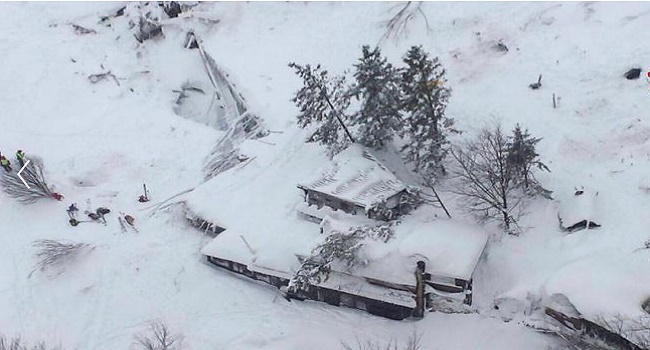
{"x": 419, "y": 290}
{"x": 506, "y": 220}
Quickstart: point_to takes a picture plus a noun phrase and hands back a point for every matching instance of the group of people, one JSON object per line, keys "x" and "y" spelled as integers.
{"x": 6, "y": 164}
{"x": 97, "y": 216}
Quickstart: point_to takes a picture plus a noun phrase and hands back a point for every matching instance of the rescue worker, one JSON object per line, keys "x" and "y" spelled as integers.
{"x": 20, "y": 156}
{"x": 72, "y": 211}
{"x": 4, "y": 162}
{"x": 129, "y": 219}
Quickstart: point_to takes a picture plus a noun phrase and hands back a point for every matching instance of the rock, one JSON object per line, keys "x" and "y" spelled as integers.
{"x": 633, "y": 73}
{"x": 646, "y": 305}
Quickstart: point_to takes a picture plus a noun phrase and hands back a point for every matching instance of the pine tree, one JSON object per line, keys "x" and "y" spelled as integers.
{"x": 38, "y": 188}
{"x": 522, "y": 157}
{"x": 424, "y": 100}
{"x": 322, "y": 101}
{"x": 377, "y": 88}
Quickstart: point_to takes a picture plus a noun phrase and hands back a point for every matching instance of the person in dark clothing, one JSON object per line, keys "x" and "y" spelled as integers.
{"x": 72, "y": 211}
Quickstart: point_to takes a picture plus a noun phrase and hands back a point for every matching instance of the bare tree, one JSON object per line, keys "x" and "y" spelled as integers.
{"x": 159, "y": 337}
{"x": 414, "y": 342}
{"x": 636, "y": 331}
{"x": 485, "y": 178}
{"x": 578, "y": 340}
{"x": 398, "y": 24}
{"x": 38, "y": 188}
{"x": 55, "y": 254}
{"x": 16, "y": 343}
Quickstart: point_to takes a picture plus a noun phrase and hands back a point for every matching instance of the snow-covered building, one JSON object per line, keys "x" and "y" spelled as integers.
{"x": 358, "y": 183}
{"x": 384, "y": 284}
{"x": 579, "y": 211}
{"x": 393, "y": 277}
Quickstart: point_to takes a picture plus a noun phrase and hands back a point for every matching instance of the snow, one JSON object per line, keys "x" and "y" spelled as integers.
{"x": 358, "y": 286}
{"x": 357, "y": 177}
{"x": 101, "y": 141}
{"x": 575, "y": 208}
{"x": 449, "y": 248}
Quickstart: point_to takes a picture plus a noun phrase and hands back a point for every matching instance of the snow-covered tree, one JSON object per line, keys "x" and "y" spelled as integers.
{"x": 14, "y": 187}
{"x": 338, "y": 247}
{"x": 377, "y": 87}
{"x": 424, "y": 100}
{"x": 522, "y": 158}
{"x": 322, "y": 101}
{"x": 53, "y": 254}
{"x": 485, "y": 179}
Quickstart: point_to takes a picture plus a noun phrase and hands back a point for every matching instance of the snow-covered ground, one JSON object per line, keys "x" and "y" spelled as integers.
{"x": 101, "y": 141}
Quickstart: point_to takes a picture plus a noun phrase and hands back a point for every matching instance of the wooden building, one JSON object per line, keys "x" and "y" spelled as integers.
{"x": 358, "y": 183}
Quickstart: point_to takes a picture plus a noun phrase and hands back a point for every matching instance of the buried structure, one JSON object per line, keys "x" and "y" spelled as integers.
{"x": 393, "y": 268}
{"x": 579, "y": 211}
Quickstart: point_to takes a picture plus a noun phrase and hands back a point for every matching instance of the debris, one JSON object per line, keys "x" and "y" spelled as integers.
{"x": 92, "y": 216}
{"x": 122, "y": 227}
{"x": 130, "y": 220}
{"x": 144, "y": 197}
{"x": 95, "y": 78}
{"x": 173, "y": 9}
{"x": 190, "y": 41}
{"x": 82, "y": 30}
{"x": 633, "y": 73}
{"x": 149, "y": 29}
{"x": 536, "y": 85}
{"x": 500, "y": 47}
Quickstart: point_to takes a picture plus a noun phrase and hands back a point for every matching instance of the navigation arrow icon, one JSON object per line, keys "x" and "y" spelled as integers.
{"x": 20, "y": 177}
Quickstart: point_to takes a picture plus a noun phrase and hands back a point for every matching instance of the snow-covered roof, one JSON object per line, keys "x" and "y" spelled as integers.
{"x": 449, "y": 249}
{"x": 268, "y": 252}
{"x": 358, "y": 286}
{"x": 606, "y": 284}
{"x": 266, "y": 234}
{"x": 578, "y": 206}
{"x": 358, "y": 177}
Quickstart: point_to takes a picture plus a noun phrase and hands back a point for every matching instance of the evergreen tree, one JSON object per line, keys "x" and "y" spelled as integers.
{"x": 424, "y": 102}
{"x": 322, "y": 101}
{"x": 377, "y": 88}
{"x": 522, "y": 157}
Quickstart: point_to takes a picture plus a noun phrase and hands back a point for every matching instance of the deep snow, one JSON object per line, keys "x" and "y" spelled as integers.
{"x": 101, "y": 141}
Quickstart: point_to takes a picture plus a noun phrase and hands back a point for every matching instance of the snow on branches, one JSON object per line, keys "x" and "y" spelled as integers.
{"x": 322, "y": 101}
{"x": 56, "y": 254}
{"x": 394, "y": 102}
{"x": 14, "y": 187}
{"x": 338, "y": 248}
{"x": 377, "y": 88}
{"x": 493, "y": 169}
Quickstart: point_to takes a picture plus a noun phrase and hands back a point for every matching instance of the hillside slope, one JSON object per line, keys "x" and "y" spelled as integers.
{"x": 101, "y": 141}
